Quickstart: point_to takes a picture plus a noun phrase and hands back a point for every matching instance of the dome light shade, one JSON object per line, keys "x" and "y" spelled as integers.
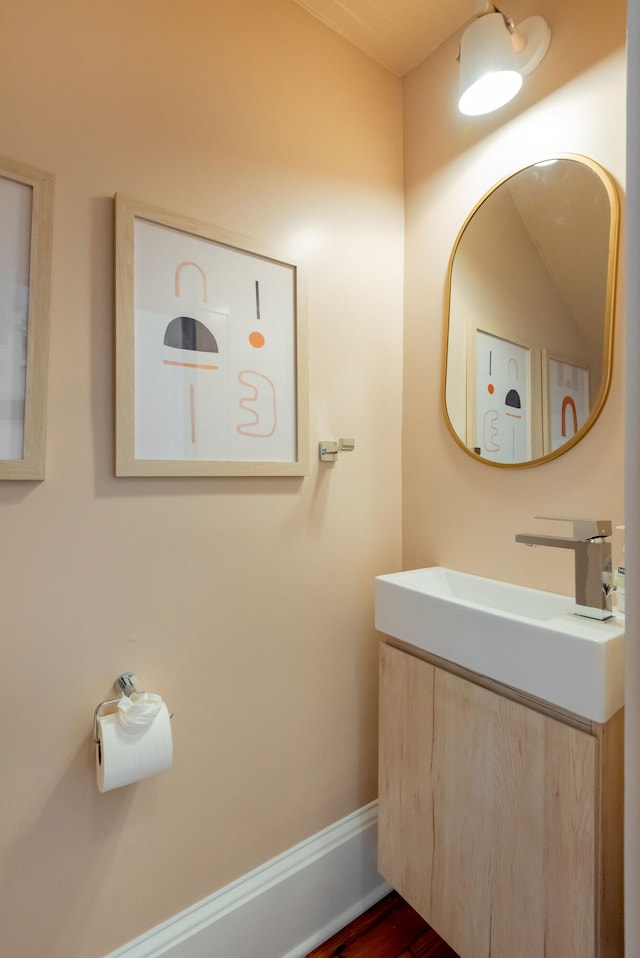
{"x": 494, "y": 57}
{"x": 490, "y": 92}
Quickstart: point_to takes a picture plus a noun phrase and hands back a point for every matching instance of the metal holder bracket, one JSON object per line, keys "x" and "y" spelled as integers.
{"x": 329, "y": 448}
{"x": 125, "y": 684}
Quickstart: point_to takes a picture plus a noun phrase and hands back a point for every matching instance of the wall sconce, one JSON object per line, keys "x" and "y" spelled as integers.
{"x": 495, "y": 56}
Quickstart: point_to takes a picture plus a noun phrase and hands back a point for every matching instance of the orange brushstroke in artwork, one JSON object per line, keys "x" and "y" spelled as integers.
{"x": 247, "y": 403}
{"x": 178, "y": 273}
{"x": 173, "y": 362}
{"x": 568, "y": 403}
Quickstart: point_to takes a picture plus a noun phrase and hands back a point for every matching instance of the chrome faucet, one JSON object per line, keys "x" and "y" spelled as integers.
{"x": 593, "y": 576}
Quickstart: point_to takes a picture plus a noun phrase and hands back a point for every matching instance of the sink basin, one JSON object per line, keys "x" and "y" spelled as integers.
{"x": 525, "y": 638}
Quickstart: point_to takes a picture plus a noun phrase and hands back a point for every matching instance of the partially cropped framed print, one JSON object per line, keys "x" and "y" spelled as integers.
{"x": 26, "y": 227}
{"x": 566, "y": 396}
{"x": 210, "y": 351}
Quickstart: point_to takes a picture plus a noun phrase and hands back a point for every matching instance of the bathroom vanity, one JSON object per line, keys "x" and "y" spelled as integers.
{"x": 500, "y": 814}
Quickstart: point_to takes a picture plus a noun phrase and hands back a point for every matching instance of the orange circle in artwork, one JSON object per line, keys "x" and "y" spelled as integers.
{"x": 256, "y": 340}
{"x": 491, "y": 389}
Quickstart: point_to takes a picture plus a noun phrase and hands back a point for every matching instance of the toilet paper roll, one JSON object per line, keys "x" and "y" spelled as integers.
{"x": 123, "y": 756}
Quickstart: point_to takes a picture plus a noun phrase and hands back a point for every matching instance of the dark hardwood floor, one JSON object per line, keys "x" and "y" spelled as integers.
{"x": 391, "y": 929}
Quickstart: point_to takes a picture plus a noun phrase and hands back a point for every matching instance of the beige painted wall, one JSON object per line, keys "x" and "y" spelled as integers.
{"x": 456, "y": 511}
{"x": 247, "y": 603}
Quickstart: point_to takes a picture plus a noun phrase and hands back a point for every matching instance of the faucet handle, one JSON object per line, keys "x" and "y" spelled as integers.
{"x": 584, "y": 528}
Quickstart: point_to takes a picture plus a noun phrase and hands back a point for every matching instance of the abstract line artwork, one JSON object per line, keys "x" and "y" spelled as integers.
{"x": 568, "y": 386}
{"x": 215, "y": 354}
{"x": 502, "y": 399}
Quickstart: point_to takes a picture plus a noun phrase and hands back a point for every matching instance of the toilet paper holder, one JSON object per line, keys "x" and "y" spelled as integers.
{"x": 126, "y": 685}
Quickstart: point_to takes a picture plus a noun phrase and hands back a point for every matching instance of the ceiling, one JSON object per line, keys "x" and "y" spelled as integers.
{"x": 399, "y": 34}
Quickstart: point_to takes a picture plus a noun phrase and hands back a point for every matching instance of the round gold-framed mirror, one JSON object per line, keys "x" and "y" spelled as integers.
{"x": 529, "y": 323}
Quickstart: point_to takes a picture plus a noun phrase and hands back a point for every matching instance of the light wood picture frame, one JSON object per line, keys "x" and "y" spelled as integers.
{"x": 26, "y": 235}
{"x": 499, "y": 397}
{"x": 566, "y": 398}
{"x": 211, "y": 375}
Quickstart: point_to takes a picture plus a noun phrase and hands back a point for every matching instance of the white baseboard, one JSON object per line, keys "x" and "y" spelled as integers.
{"x": 284, "y": 908}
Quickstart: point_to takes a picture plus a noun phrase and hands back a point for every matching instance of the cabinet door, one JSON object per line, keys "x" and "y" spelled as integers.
{"x": 487, "y": 815}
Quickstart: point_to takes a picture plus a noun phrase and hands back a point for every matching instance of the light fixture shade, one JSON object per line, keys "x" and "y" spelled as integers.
{"x": 489, "y": 75}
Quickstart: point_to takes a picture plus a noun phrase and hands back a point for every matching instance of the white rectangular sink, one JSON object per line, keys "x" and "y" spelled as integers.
{"x": 525, "y": 638}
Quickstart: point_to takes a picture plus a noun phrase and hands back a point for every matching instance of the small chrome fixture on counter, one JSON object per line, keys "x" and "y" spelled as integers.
{"x": 593, "y": 574}
{"x": 329, "y": 448}
{"x": 494, "y": 57}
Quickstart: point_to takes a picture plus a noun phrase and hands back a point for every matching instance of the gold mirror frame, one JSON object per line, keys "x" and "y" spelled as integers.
{"x": 597, "y": 404}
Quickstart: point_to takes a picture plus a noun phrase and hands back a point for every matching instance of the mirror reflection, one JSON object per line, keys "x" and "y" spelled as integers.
{"x": 529, "y": 334}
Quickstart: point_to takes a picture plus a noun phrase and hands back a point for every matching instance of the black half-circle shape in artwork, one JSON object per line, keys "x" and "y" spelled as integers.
{"x": 513, "y": 399}
{"x": 183, "y": 332}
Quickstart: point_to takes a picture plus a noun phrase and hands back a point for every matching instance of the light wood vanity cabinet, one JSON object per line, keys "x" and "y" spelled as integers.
{"x": 499, "y": 824}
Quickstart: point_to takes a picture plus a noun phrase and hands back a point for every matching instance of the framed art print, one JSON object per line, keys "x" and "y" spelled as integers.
{"x": 566, "y": 398}
{"x": 26, "y": 227}
{"x": 502, "y": 399}
{"x": 210, "y": 352}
